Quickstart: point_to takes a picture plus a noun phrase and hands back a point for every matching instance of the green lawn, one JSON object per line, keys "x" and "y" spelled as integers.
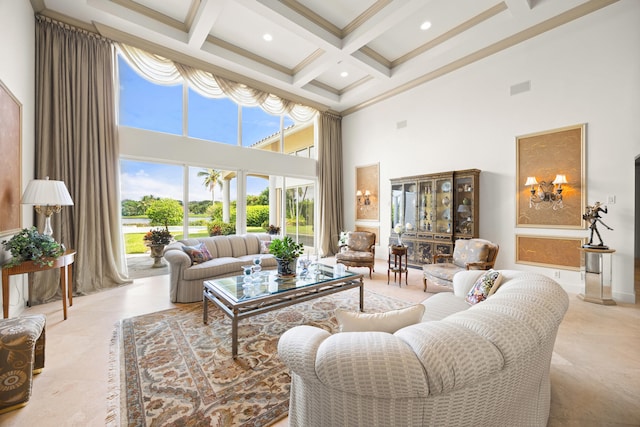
{"x": 133, "y": 243}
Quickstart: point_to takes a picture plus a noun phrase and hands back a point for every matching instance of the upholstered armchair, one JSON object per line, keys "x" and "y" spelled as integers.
{"x": 22, "y": 342}
{"x": 472, "y": 254}
{"x": 358, "y": 250}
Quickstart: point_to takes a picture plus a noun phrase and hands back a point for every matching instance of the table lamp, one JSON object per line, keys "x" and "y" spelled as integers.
{"x": 48, "y": 196}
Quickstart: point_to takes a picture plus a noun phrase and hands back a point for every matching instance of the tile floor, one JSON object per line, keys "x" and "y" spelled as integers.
{"x": 595, "y": 372}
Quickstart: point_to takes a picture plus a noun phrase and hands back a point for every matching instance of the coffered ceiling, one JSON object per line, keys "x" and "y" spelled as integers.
{"x": 340, "y": 55}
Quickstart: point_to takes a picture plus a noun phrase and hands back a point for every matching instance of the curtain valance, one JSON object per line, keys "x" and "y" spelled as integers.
{"x": 164, "y": 71}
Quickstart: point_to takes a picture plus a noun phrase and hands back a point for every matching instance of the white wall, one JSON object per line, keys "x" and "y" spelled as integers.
{"x": 163, "y": 147}
{"x": 17, "y": 40}
{"x": 587, "y": 71}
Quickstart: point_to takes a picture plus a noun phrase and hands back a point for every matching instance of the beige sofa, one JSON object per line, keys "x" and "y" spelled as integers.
{"x": 481, "y": 365}
{"x": 229, "y": 254}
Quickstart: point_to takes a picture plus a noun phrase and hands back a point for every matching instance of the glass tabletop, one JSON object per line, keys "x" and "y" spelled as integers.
{"x": 265, "y": 283}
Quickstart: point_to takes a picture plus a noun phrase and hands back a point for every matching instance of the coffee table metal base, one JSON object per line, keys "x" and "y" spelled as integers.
{"x": 238, "y": 310}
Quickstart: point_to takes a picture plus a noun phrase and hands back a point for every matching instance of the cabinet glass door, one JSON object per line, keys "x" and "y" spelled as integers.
{"x": 410, "y": 207}
{"x": 444, "y": 204}
{"x": 464, "y": 209}
{"x": 396, "y": 205}
{"x": 426, "y": 210}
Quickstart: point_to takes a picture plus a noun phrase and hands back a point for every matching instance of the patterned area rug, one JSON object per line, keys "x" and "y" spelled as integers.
{"x": 176, "y": 371}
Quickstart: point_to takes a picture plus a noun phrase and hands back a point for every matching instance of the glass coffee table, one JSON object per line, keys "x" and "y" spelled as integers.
{"x": 267, "y": 292}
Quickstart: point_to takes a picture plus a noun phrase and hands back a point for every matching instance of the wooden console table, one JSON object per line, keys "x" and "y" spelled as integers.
{"x": 63, "y": 262}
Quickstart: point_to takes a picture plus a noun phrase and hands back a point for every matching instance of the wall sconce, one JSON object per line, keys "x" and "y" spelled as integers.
{"x": 48, "y": 196}
{"x": 363, "y": 199}
{"x": 547, "y": 194}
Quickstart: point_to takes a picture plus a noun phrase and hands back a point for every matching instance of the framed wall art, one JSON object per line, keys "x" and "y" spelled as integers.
{"x": 550, "y": 174}
{"x": 549, "y": 251}
{"x": 367, "y": 191}
{"x": 10, "y": 161}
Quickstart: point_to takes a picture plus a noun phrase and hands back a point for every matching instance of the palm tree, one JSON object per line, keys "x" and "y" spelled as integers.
{"x": 211, "y": 179}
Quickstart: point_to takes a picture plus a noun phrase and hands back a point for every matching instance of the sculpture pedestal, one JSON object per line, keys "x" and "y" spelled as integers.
{"x": 596, "y": 270}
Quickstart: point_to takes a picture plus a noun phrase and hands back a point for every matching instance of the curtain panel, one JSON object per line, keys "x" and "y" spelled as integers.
{"x": 76, "y": 142}
{"x": 330, "y": 182}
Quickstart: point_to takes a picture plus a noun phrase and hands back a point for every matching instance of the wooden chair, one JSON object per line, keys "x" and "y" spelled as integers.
{"x": 472, "y": 254}
{"x": 358, "y": 251}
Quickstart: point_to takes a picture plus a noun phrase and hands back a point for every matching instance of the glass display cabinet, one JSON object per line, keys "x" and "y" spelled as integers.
{"x": 436, "y": 209}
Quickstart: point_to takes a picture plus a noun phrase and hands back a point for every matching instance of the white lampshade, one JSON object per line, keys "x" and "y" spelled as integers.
{"x": 531, "y": 180}
{"x": 44, "y": 192}
{"x": 560, "y": 179}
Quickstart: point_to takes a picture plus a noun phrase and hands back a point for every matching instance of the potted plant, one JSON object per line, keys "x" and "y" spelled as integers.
{"x": 29, "y": 245}
{"x": 156, "y": 239}
{"x": 286, "y": 251}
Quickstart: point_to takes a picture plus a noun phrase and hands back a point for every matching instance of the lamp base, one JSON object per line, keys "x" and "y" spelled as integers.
{"x": 48, "y": 231}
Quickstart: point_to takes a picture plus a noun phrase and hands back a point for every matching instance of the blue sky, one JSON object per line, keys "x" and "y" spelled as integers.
{"x": 149, "y": 106}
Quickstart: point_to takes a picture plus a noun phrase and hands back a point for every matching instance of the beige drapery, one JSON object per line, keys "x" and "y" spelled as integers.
{"x": 76, "y": 142}
{"x": 330, "y": 182}
{"x": 161, "y": 70}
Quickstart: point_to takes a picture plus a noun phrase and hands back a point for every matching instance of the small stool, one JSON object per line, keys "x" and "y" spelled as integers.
{"x": 397, "y": 253}
{"x": 22, "y": 341}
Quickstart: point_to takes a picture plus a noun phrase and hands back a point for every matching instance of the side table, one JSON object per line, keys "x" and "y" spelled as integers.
{"x": 596, "y": 268}
{"x": 397, "y": 266}
{"x": 63, "y": 262}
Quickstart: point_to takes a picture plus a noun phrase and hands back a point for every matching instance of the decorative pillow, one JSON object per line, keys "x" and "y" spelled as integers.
{"x": 264, "y": 246}
{"x": 481, "y": 290}
{"x": 198, "y": 253}
{"x": 391, "y": 321}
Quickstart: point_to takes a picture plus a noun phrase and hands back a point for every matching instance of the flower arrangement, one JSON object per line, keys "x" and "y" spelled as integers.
{"x": 29, "y": 245}
{"x": 273, "y": 229}
{"x": 399, "y": 229}
{"x": 158, "y": 236}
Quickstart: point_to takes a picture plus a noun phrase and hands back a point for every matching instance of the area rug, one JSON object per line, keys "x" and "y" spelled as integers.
{"x": 176, "y": 371}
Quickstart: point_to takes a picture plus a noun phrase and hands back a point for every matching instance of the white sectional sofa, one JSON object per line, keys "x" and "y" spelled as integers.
{"x": 229, "y": 254}
{"x": 481, "y": 365}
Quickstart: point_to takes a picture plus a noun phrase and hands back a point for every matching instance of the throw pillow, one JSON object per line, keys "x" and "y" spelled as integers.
{"x": 391, "y": 321}
{"x": 264, "y": 246}
{"x": 481, "y": 290}
{"x": 198, "y": 253}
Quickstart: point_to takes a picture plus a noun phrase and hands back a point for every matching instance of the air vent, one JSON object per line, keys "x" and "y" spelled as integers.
{"x": 520, "y": 87}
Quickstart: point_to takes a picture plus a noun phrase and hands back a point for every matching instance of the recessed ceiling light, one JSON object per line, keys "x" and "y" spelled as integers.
{"x": 425, "y": 25}
{"x": 344, "y": 74}
{"x": 267, "y": 37}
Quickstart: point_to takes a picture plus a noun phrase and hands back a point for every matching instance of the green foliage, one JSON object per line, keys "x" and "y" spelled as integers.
{"x": 257, "y": 215}
{"x": 200, "y": 207}
{"x": 29, "y": 245}
{"x": 219, "y": 228}
{"x": 260, "y": 200}
{"x": 131, "y": 208}
{"x": 215, "y": 212}
{"x": 165, "y": 212}
{"x": 286, "y": 248}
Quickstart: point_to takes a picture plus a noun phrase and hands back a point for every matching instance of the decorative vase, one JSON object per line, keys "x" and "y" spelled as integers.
{"x": 156, "y": 253}
{"x": 399, "y": 239}
{"x": 287, "y": 267}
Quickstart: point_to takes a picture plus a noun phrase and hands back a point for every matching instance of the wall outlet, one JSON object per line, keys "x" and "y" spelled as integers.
{"x": 611, "y": 199}
{"x": 556, "y": 274}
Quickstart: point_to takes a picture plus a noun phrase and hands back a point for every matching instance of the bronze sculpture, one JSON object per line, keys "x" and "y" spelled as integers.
{"x": 593, "y": 216}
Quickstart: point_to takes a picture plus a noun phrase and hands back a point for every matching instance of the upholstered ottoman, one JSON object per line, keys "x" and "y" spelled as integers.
{"x": 22, "y": 342}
